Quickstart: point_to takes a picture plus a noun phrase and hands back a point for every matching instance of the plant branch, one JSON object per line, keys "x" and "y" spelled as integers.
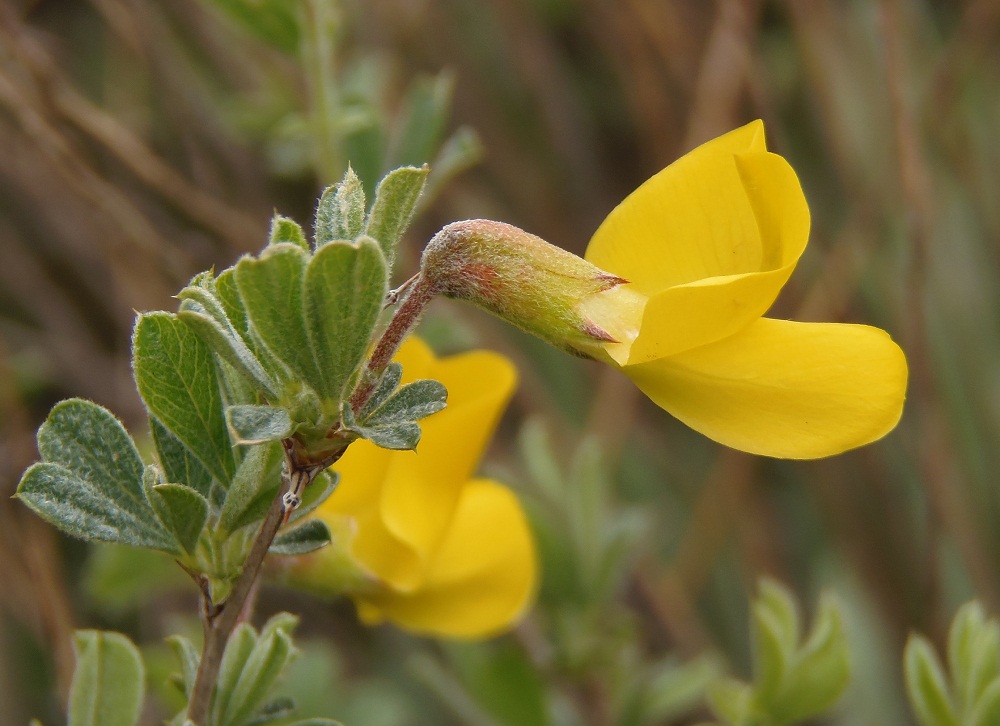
{"x": 419, "y": 292}
{"x": 219, "y": 620}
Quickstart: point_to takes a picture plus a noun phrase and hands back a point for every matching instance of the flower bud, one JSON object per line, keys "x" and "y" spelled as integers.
{"x": 534, "y": 285}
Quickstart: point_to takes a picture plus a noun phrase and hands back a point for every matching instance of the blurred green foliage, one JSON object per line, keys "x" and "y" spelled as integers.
{"x": 143, "y": 142}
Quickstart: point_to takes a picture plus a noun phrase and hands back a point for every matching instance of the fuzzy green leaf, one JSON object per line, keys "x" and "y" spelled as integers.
{"x": 345, "y": 287}
{"x": 412, "y": 402}
{"x": 183, "y": 510}
{"x": 179, "y": 464}
{"x": 229, "y": 295}
{"x": 257, "y": 474}
{"x": 226, "y": 343}
{"x": 284, "y": 229}
{"x": 398, "y": 437}
{"x": 926, "y": 684}
{"x": 80, "y": 509}
{"x": 241, "y": 645}
{"x": 309, "y": 536}
{"x": 109, "y": 681}
{"x": 188, "y": 656}
{"x": 90, "y": 442}
{"x": 340, "y": 214}
{"x": 177, "y": 379}
{"x": 387, "y": 385}
{"x": 265, "y": 663}
{"x": 257, "y": 424}
{"x": 271, "y": 290}
{"x": 395, "y": 202}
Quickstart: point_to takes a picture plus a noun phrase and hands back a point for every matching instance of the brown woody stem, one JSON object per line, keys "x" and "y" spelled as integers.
{"x": 418, "y": 295}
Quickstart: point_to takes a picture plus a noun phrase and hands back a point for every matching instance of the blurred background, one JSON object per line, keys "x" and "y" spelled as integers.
{"x": 143, "y": 142}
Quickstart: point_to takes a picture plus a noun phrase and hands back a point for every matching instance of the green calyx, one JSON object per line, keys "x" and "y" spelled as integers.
{"x": 521, "y": 278}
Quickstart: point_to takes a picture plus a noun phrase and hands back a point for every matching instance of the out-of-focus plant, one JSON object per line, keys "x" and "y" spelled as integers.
{"x": 346, "y": 120}
{"x": 967, "y": 693}
{"x": 272, "y": 368}
{"x": 796, "y": 676}
{"x": 254, "y": 388}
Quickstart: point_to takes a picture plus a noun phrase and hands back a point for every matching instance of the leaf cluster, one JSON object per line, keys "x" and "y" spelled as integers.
{"x": 267, "y": 351}
{"x": 968, "y": 693}
{"x": 795, "y": 676}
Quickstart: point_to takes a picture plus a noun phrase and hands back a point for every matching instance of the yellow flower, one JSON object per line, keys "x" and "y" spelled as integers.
{"x": 418, "y": 542}
{"x": 706, "y": 245}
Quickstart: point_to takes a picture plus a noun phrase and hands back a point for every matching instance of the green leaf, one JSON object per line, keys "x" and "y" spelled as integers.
{"x": 279, "y": 708}
{"x": 395, "y": 201}
{"x": 226, "y": 343}
{"x": 387, "y": 385}
{"x": 973, "y": 654}
{"x": 309, "y": 536}
{"x": 266, "y": 662}
{"x": 425, "y": 116}
{"x": 318, "y": 722}
{"x": 340, "y": 214}
{"x": 461, "y": 151}
{"x": 731, "y": 700}
{"x": 770, "y": 658}
{"x": 80, "y": 509}
{"x": 229, "y": 295}
{"x": 271, "y": 289}
{"x": 926, "y": 684}
{"x": 183, "y": 510}
{"x": 272, "y": 21}
{"x": 345, "y": 287}
{"x": 412, "y": 402}
{"x": 962, "y": 640}
{"x": 987, "y": 708}
{"x": 284, "y": 229}
{"x": 283, "y": 621}
{"x": 778, "y": 600}
{"x": 675, "y": 689}
{"x": 257, "y": 474}
{"x": 257, "y": 424}
{"x": 241, "y": 645}
{"x": 188, "y": 656}
{"x": 398, "y": 436}
{"x": 109, "y": 681}
{"x": 177, "y": 380}
{"x": 179, "y": 464}
{"x": 820, "y": 671}
{"x": 90, "y": 442}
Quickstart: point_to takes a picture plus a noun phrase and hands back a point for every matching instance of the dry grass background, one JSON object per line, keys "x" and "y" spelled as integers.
{"x": 143, "y": 142}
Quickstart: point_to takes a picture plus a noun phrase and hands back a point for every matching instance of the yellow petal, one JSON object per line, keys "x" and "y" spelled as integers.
{"x": 481, "y": 578}
{"x": 422, "y": 488}
{"x": 687, "y": 316}
{"x": 691, "y": 221}
{"x": 784, "y": 389}
{"x": 711, "y": 240}
{"x": 358, "y": 497}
